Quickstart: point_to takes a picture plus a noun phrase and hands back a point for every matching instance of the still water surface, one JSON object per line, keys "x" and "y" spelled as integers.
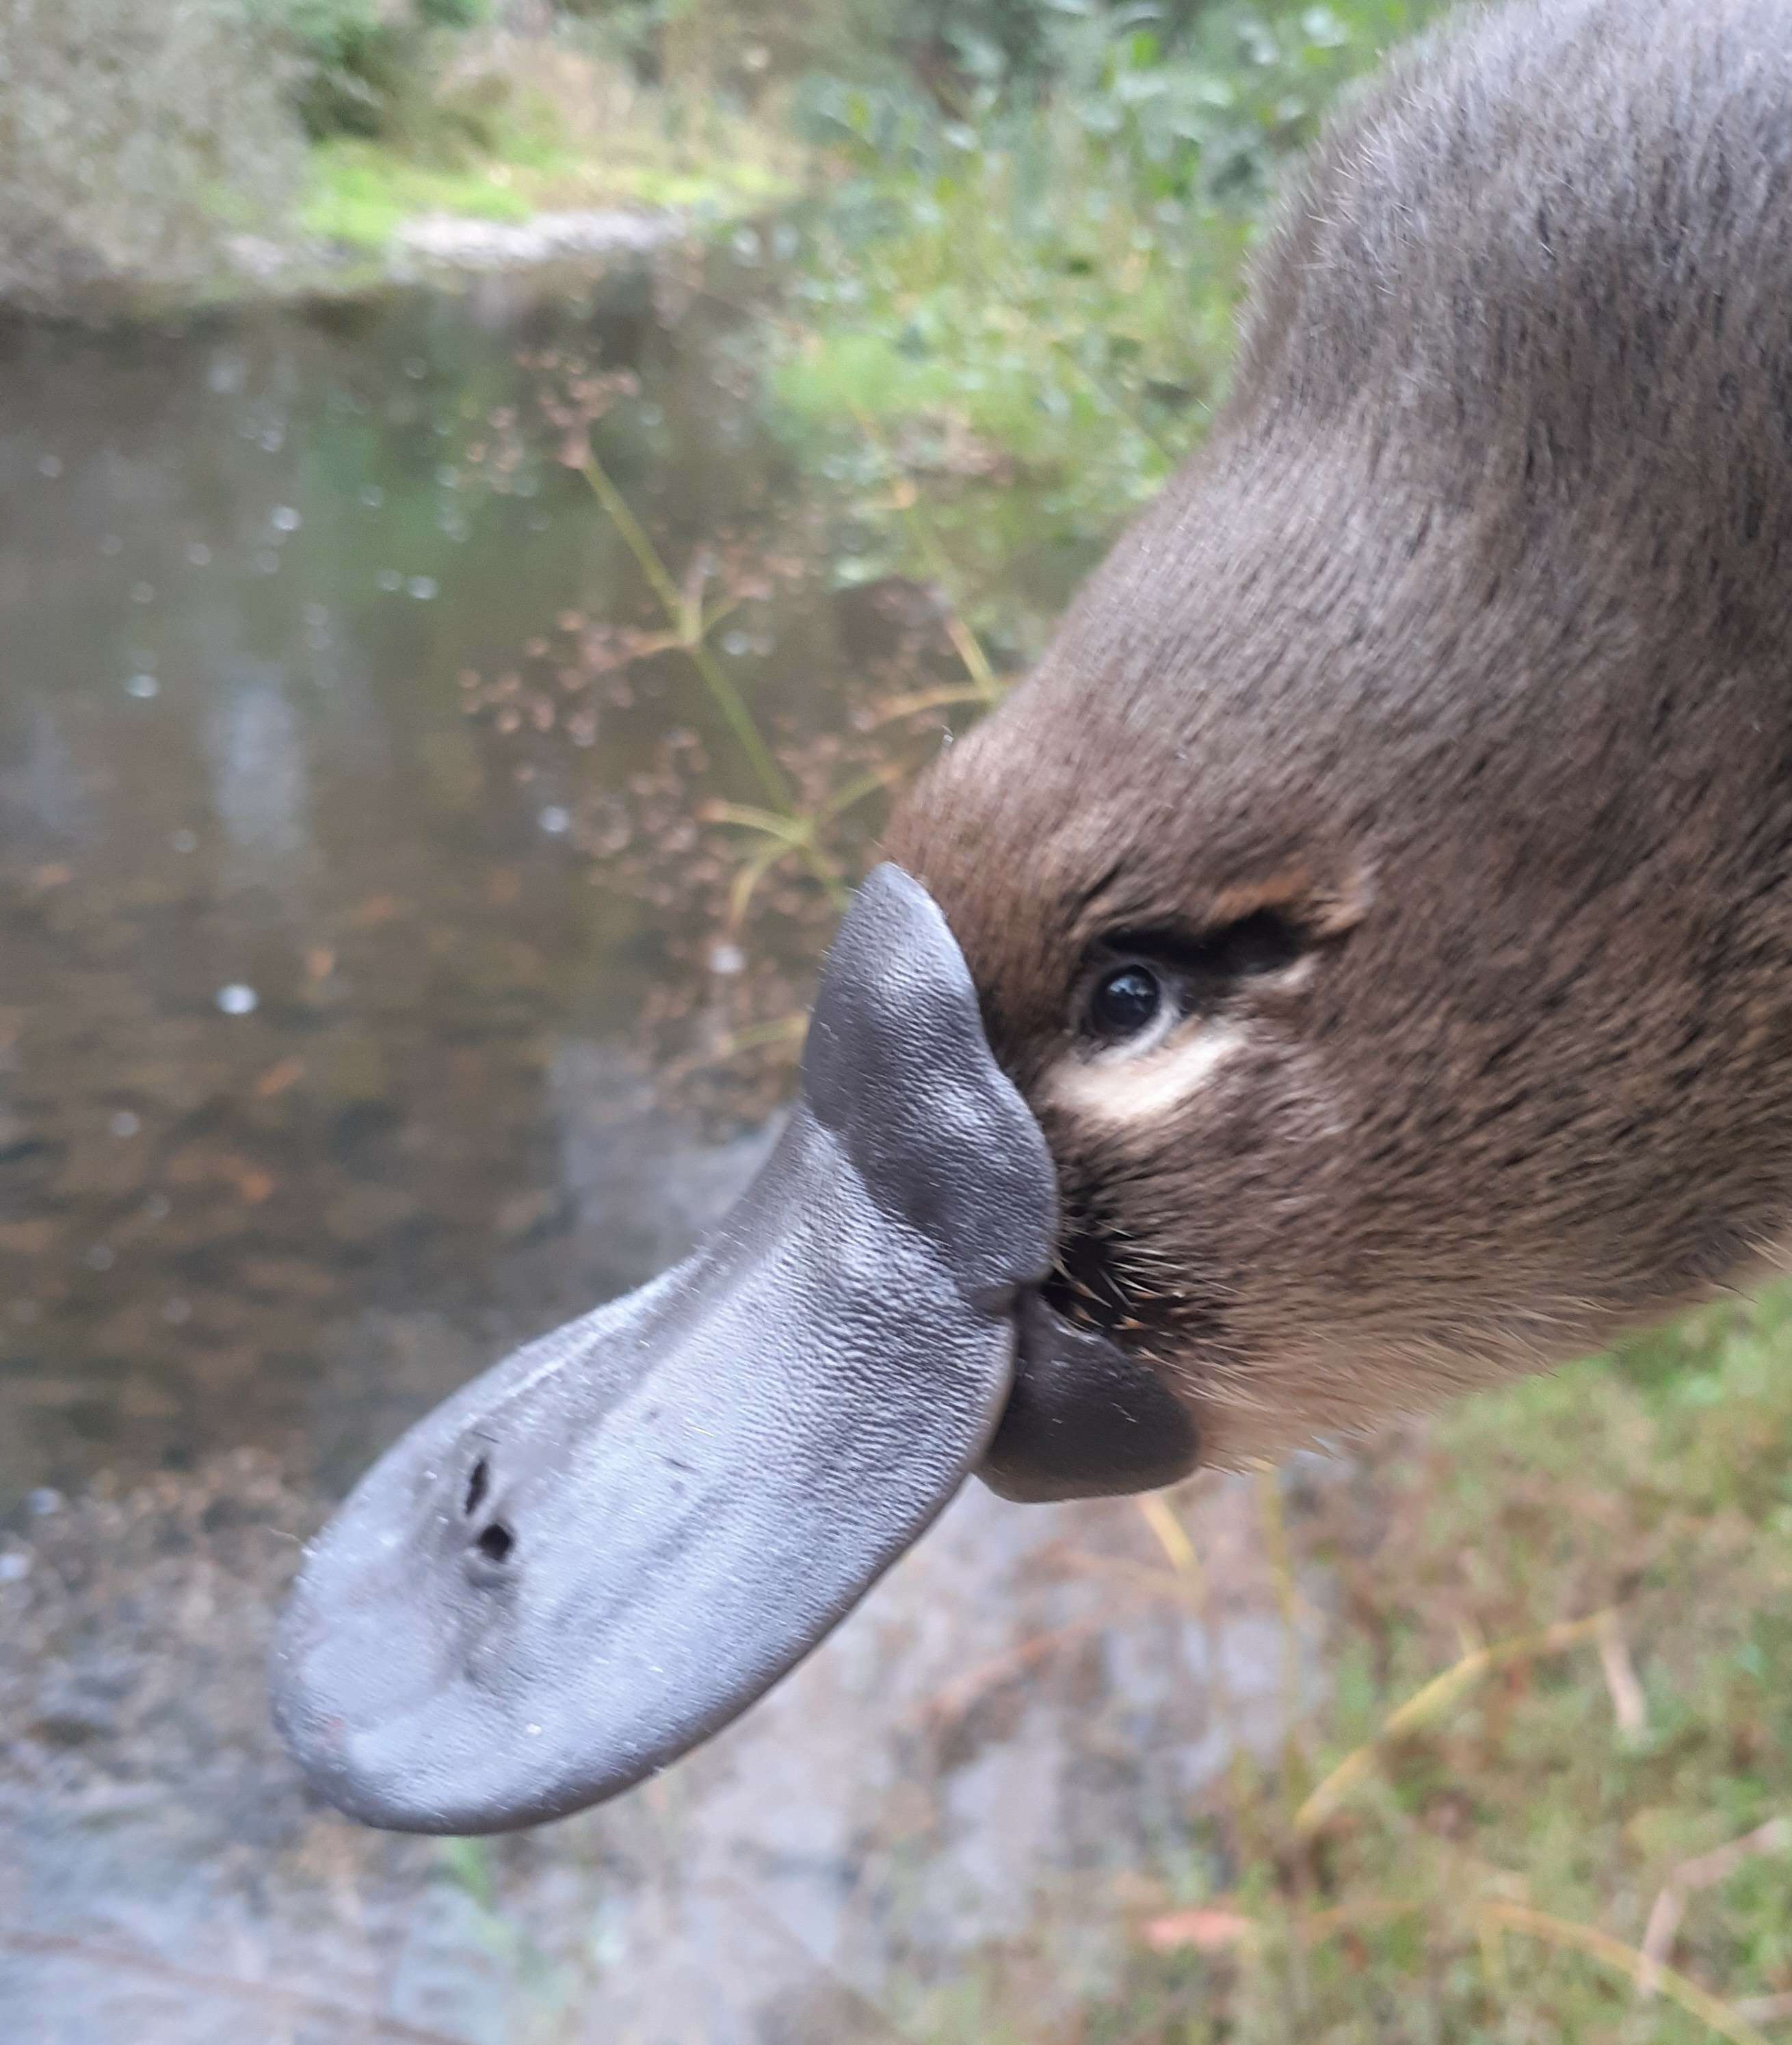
{"x": 329, "y": 1070}
{"x": 314, "y": 1023}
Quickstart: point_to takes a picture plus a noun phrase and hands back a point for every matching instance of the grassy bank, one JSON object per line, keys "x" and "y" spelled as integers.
{"x": 1550, "y": 1796}
{"x": 175, "y": 157}
{"x": 362, "y": 193}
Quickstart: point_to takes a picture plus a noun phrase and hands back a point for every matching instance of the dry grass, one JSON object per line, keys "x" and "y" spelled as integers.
{"x": 1555, "y": 1762}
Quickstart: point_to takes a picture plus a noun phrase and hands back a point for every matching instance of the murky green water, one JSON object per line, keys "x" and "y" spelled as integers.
{"x": 364, "y": 1008}
{"x": 318, "y": 1072}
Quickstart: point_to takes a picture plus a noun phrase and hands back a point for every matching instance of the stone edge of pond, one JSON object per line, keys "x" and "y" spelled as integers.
{"x": 440, "y": 249}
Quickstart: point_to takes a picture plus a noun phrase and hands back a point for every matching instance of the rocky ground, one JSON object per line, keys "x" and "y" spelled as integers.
{"x": 1001, "y": 1732}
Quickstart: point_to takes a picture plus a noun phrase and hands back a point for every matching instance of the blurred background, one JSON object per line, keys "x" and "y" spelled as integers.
{"x": 494, "y": 496}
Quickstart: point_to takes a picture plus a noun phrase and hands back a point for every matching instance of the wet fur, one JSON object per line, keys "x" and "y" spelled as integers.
{"x": 1466, "y": 642}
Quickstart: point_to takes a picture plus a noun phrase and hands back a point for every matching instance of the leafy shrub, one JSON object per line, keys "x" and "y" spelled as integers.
{"x": 353, "y": 63}
{"x": 364, "y": 65}
{"x": 1045, "y": 277}
{"x": 132, "y": 138}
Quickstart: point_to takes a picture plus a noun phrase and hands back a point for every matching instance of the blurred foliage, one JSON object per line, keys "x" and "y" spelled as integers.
{"x": 946, "y": 46}
{"x": 365, "y": 67}
{"x": 1041, "y": 282}
{"x": 131, "y": 140}
{"x": 1030, "y": 214}
{"x": 523, "y": 127}
{"x": 360, "y": 193}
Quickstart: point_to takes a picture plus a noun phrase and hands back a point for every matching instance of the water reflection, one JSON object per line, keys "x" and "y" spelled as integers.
{"x": 272, "y": 895}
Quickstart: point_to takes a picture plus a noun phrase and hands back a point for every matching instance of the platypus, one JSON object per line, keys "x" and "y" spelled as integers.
{"x": 1356, "y": 964}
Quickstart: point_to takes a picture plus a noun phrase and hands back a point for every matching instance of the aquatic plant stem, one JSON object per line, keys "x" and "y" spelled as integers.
{"x": 687, "y": 623}
{"x": 906, "y": 499}
{"x": 686, "y": 618}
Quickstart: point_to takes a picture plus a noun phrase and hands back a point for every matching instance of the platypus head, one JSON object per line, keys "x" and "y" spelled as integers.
{"x": 608, "y": 1546}
{"x": 1358, "y": 963}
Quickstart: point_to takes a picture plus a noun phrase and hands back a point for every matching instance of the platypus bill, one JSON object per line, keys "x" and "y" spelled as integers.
{"x": 1357, "y": 964}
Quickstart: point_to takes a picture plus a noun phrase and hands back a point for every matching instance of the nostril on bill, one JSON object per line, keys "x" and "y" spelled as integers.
{"x": 495, "y": 1540}
{"x": 478, "y": 1483}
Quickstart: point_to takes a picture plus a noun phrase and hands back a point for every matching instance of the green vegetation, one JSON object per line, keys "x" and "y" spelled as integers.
{"x": 362, "y": 68}
{"x": 408, "y": 118}
{"x": 1039, "y": 279}
{"x": 361, "y": 192}
{"x": 139, "y": 147}
{"x": 1028, "y": 215}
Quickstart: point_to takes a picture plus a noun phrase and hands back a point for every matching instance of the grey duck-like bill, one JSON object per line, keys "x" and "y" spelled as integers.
{"x": 594, "y": 1555}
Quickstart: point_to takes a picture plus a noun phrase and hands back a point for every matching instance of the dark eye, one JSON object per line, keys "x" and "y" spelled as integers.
{"x": 1124, "y": 1003}
{"x": 1163, "y": 972}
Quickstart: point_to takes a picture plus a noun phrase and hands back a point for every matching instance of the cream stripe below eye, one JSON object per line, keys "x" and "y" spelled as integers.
{"x": 1139, "y": 1089}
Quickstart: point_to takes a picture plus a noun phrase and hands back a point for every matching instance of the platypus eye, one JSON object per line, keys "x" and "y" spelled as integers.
{"x": 1152, "y": 978}
{"x": 1124, "y": 1003}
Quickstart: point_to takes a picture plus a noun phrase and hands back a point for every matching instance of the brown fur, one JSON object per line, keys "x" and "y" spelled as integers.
{"x": 1467, "y": 639}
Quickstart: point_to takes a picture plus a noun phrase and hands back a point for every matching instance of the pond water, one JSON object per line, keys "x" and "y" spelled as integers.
{"x": 314, "y": 1019}
{"x": 369, "y": 1005}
